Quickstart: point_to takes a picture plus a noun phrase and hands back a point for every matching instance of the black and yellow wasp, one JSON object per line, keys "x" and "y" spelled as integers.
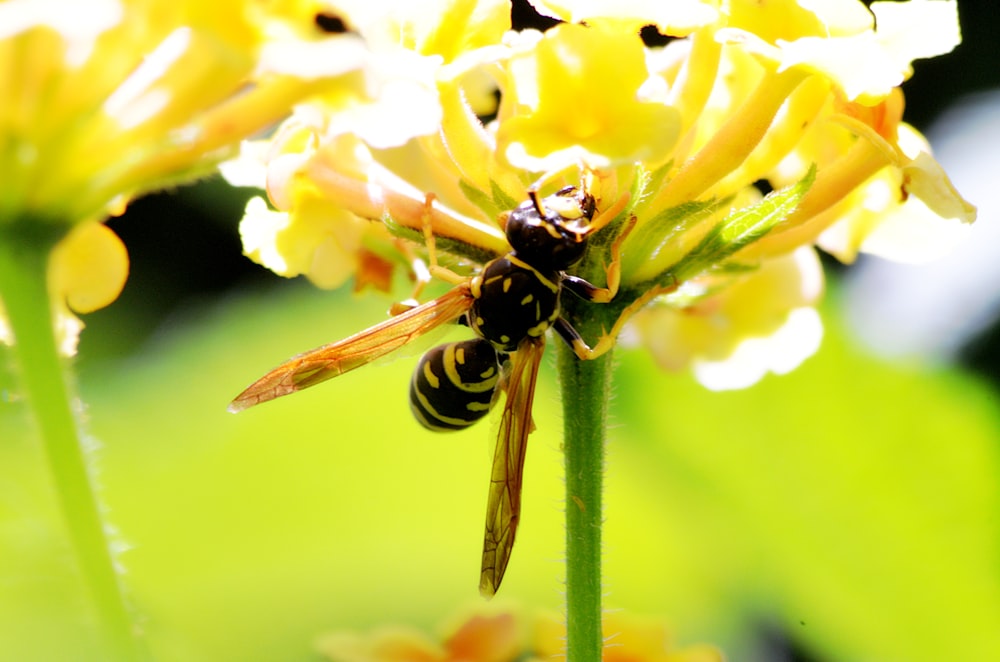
{"x": 509, "y": 304}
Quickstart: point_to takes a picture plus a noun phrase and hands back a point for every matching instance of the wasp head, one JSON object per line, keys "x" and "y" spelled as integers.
{"x": 552, "y": 231}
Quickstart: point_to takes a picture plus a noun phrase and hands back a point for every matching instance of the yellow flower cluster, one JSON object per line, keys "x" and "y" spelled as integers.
{"x": 117, "y": 97}
{"x": 743, "y": 93}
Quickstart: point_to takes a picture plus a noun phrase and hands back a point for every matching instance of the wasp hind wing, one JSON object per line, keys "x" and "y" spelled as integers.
{"x": 503, "y": 509}
{"x": 328, "y": 361}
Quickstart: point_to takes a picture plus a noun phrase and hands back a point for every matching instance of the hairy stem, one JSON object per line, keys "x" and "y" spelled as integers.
{"x": 24, "y": 249}
{"x": 585, "y": 388}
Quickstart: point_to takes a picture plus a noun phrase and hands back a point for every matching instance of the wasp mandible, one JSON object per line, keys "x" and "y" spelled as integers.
{"x": 509, "y": 304}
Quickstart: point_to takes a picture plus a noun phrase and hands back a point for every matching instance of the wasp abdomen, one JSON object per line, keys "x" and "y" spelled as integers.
{"x": 454, "y": 385}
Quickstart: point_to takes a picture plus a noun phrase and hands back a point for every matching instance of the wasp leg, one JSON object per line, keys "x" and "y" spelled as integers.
{"x": 610, "y": 214}
{"x": 584, "y": 351}
{"x": 421, "y": 277}
{"x": 502, "y": 220}
{"x": 579, "y": 346}
{"x": 435, "y": 269}
{"x": 422, "y": 271}
{"x": 589, "y": 292}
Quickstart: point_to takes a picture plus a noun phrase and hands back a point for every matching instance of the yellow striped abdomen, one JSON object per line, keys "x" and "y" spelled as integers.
{"x": 454, "y": 385}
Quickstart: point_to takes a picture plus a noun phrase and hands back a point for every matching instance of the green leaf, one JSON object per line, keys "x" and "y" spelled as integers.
{"x": 660, "y": 231}
{"x": 480, "y": 199}
{"x": 742, "y": 228}
{"x": 500, "y": 198}
{"x": 647, "y": 182}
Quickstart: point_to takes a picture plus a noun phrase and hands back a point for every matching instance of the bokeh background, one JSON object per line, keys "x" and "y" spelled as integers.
{"x": 847, "y": 511}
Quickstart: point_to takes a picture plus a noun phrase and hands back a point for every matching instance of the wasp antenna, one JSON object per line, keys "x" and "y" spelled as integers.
{"x": 533, "y": 194}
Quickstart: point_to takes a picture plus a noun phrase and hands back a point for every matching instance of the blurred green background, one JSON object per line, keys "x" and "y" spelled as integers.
{"x": 848, "y": 511}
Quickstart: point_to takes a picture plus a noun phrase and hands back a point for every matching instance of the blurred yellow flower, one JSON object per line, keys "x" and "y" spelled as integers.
{"x": 491, "y": 634}
{"x": 481, "y": 637}
{"x": 87, "y": 271}
{"x": 117, "y": 98}
{"x": 731, "y": 336}
{"x": 627, "y": 638}
{"x": 109, "y": 99}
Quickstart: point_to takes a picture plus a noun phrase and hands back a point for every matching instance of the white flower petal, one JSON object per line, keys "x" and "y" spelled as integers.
{"x": 796, "y": 340}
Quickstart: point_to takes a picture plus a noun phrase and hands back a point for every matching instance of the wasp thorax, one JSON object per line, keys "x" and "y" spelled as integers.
{"x": 552, "y": 231}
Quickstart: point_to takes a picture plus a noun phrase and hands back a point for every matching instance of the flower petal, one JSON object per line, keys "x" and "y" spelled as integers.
{"x": 89, "y": 267}
{"x": 557, "y": 118}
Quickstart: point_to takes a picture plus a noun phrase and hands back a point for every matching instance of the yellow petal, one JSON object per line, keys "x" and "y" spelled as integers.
{"x": 88, "y": 268}
{"x": 925, "y": 179}
{"x": 785, "y": 20}
{"x": 559, "y": 120}
{"x": 866, "y": 63}
{"x": 676, "y": 18}
{"x": 910, "y": 213}
{"x": 317, "y": 239}
{"x": 762, "y": 322}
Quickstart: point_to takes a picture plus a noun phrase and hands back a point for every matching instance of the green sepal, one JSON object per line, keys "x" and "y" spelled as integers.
{"x": 648, "y": 182}
{"x": 480, "y": 199}
{"x": 663, "y": 229}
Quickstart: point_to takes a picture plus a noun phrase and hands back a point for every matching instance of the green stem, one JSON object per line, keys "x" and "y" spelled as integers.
{"x": 25, "y": 245}
{"x": 585, "y": 388}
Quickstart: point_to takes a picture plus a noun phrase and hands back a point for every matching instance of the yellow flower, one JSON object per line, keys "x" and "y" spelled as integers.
{"x": 308, "y": 234}
{"x": 731, "y": 335}
{"x": 411, "y": 46}
{"x": 880, "y": 192}
{"x": 577, "y": 97}
{"x": 418, "y": 58}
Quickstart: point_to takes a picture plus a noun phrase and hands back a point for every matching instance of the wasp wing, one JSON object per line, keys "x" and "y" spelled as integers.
{"x": 503, "y": 510}
{"x": 335, "y": 359}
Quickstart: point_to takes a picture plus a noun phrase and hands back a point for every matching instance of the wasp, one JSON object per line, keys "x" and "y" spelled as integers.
{"x": 509, "y": 305}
